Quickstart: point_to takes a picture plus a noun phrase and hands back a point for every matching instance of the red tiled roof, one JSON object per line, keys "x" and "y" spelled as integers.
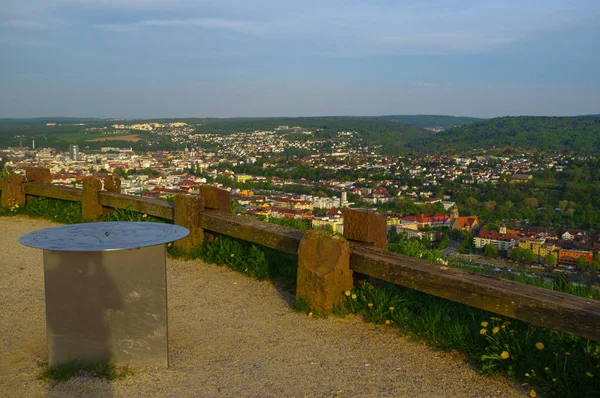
{"x": 495, "y": 235}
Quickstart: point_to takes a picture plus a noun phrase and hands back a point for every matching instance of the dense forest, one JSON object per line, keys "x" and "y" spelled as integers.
{"x": 431, "y": 121}
{"x": 579, "y": 134}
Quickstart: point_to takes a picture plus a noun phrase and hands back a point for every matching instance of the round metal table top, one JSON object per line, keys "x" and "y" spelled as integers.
{"x": 103, "y": 236}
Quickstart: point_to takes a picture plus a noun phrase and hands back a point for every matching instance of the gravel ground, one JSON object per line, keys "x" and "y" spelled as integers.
{"x": 230, "y": 336}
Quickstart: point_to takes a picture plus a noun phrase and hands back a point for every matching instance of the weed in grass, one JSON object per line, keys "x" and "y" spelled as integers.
{"x": 102, "y": 370}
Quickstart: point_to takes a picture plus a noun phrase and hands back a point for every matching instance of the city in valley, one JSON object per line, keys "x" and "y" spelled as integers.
{"x": 503, "y": 208}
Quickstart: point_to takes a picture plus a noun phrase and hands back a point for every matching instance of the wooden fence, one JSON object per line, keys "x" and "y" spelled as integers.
{"x": 325, "y": 263}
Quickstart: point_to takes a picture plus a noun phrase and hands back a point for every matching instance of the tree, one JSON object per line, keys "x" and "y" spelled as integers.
{"x": 490, "y": 205}
{"x": 532, "y": 203}
{"x": 472, "y": 202}
{"x": 490, "y": 251}
{"x": 445, "y": 242}
{"x": 466, "y": 245}
{"x": 582, "y": 263}
{"x": 491, "y": 226}
{"x": 549, "y": 260}
{"x": 425, "y": 241}
{"x": 529, "y": 256}
{"x": 516, "y": 253}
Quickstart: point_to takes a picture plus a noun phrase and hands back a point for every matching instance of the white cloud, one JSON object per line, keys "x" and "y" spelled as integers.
{"x": 207, "y": 23}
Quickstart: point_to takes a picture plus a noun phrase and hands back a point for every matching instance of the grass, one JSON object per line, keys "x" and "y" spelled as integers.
{"x": 101, "y": 370}
{"x": 60, "y": 211}
{"x": 130, "y": 215}
{"x": 250, "y": 259}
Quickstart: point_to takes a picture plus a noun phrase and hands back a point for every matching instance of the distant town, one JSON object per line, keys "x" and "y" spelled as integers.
{"x": 293, "y": 176}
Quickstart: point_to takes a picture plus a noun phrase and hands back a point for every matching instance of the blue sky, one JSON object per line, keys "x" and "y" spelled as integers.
{"x": 208, "y": 58}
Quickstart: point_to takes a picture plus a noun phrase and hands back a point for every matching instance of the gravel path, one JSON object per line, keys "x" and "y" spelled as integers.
{"x": 229, "y": 336}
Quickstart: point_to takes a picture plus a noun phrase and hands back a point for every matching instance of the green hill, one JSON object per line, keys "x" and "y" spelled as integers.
{"x": 578, "y": 133}
{"x": 393, "y": 135}
{"x": 431, "y": 121}
{"x": 43, "y": 120}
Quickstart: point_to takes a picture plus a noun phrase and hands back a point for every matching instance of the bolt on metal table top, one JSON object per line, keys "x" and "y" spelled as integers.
{"x": 103, "y": 236}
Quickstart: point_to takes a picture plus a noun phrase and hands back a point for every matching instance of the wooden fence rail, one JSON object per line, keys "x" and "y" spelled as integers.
{"x": 364, "y": 231}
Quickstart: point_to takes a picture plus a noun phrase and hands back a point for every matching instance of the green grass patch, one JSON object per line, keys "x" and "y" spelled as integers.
{"x": 130, "y": 215}
{"x": 301, "y": 305}
{"x": 60, "y": 211}
{"x": 250, "y": 259}
{"x": 101, "y": 370}
{"x": 176, "y": 252}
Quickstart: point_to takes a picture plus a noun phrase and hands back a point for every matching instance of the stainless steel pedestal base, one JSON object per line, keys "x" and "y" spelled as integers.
{"x": 107, "y": 306}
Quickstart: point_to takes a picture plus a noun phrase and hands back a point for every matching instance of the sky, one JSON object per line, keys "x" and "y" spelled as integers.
{"x": 234, "y": 58}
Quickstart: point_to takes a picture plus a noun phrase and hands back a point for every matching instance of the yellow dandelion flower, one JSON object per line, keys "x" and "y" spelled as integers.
{"x": 505, "y": 355}
{"x": 387, "y": 321}
{"x": 588, "y": 374}
{"x": 539, "y": 345}
{"x": 484, "y": 324}
{"x": 370, "y": 305}
{"x": 503, "y": 327}
{"x": 546, "y": 369}
{"x": 527, "y": 375}
{"x": 354, "y": 297}
{"x": 169, "y": 244}
{"x": 483, "y": 331}
{"x": 495, "y": 330}
{"x": 554, "y": 380}
{"x": 232, "y": 255}
{"x": 145, "y": 215}
{"x": 392, "y": 308}
{"x": 532, "y": 394}
{"x": 347, "y": 293}
{"x": 310, "y": 314}
{"x": 567, "y": 353}
{"x": 533, "y": 371}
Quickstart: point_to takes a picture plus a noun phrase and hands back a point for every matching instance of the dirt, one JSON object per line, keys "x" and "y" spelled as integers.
{"x": 230, "y": 336}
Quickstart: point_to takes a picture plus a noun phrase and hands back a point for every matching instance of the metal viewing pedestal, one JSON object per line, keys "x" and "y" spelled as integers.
{"x": 106, "y": 291}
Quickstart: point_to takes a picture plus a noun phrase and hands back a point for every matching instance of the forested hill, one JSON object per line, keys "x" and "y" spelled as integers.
{"x": 431, "y": 121}
{"x": 394, "y": 136}
{"x": 578, "y": 133}
{"x": 43, "y": 120}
